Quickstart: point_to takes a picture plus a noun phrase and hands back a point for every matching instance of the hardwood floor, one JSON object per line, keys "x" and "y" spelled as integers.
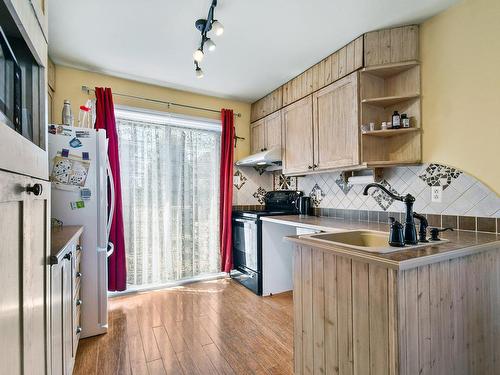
{"x": 213, "y": 327}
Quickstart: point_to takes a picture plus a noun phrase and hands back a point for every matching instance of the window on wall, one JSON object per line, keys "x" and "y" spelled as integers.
{"x": 170, "y": 188}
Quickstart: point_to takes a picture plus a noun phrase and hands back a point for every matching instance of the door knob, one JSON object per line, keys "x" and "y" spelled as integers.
{"x": 36, "y": 189}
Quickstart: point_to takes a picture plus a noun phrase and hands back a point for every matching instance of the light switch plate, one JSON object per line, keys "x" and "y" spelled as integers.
{"x": 436, "y": 194}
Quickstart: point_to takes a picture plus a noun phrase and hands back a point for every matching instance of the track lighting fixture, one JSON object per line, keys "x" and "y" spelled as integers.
{"x": 204, "y": 26}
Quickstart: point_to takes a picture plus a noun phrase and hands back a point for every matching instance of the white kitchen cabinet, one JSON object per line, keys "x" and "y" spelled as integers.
{"x": 65, "y": 298}
{"x": 24, "y": 207}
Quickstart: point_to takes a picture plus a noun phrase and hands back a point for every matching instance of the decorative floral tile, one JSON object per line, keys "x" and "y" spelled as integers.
{"x": 260, "y": 194}
{"x": 383, "y": 200}
{"x": 282, "y": 182}
{"x": 239, "y": 179}
{"x": 342, "y": 184}
{"x": 316, "y": 195}
{"x": 260, "y": 168}
{"x": 439, "y": 175}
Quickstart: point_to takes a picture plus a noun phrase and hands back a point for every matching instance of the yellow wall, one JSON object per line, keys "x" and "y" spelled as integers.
{"x": 69, "y": 82}
{"x": 460, "y": 53}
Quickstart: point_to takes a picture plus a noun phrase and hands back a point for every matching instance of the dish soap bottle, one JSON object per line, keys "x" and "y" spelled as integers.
{"x": 396, "y": 120}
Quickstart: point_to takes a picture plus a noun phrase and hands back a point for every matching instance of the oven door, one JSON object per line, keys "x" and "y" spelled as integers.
{"x": 245, "y": 244}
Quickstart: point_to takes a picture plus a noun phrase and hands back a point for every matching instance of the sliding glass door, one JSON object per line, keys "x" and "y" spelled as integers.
{"x": 170, "y": 188}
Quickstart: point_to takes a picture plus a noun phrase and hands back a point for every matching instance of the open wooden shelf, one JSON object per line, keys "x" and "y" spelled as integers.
{"x": 389, "y": 100}
{"x": 383, "y": 90}
{"x": 389, "y": 70}
{"x": 390, "y": 132}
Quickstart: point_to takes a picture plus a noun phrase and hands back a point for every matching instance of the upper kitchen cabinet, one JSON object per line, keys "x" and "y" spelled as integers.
{"x": 394, "y": 45}
{"x": 273, "y": 131}
{"x": 340, "y": 63}
{"x": 267, "y": 105}
{"x": 23, "y": 91}
{"x": 335, "y": 120}
{"x": 298, "y": 137}
{"x": 265, "y": 133}
{"x": 257, "y": 136}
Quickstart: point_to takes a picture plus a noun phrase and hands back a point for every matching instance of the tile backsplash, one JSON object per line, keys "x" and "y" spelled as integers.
{"x": 462, "y": 194}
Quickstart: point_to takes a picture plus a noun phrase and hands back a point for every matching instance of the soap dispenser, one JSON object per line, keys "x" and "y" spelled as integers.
{"x": 396, "y": 235}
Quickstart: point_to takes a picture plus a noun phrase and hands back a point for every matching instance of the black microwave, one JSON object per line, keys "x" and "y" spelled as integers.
{"x": 10, "y": 85}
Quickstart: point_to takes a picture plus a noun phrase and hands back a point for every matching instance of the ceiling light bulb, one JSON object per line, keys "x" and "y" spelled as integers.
{"x": 217, "y": 28}
{"x": 199, "y": 73}
{"x": 198, "y": 55}
{"x": 210, "y": 45}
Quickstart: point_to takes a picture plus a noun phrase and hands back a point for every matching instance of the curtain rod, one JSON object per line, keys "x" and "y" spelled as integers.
{"x": 88, "y": 90}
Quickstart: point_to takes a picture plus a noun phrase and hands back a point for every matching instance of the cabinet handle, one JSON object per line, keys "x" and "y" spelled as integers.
{"x": 78, "y": 274}
{"x": 79, "y": 247}
{"x": 78, "y": 302}
{"x": 310, "y": 167}
{"x": 78, "y": 330}
{"x": 68, "y": 256}
{"x": 315, "y": 165}
{"x": 36, "y": 189}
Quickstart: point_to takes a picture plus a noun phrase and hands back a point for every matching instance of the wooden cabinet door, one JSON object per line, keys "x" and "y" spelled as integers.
{"x": 257, "y": 137}
{"x": 24, "y": 273}
{"x": 273, "y": 130}
{"x": 298, "y": 137}
{"x": 335, "y": 117}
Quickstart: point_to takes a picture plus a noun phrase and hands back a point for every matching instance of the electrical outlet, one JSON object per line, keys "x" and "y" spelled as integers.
{"x": 437, "y": 194}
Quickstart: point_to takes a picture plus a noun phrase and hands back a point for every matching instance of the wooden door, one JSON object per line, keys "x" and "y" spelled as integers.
{"x": 335, "y": 117}
{"x": 273, "y": 130}
{"x": 257, "y": 137}
{"x": 298, "y": 137}
{"x": 24, "y": 272}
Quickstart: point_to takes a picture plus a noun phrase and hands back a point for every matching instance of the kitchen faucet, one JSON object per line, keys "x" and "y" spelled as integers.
{"x": 410, "y": 232}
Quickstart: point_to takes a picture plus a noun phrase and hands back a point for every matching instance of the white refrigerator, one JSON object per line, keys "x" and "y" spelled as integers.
{"x": 80, "y": 173}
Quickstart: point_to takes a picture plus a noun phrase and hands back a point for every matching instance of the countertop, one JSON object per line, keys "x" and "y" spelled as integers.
{"x": 461, "y": 243}
{"x": 61, "y": 237}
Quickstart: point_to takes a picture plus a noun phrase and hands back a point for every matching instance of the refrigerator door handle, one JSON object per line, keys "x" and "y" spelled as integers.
{"x": 111, "y": 246}
{"x": 112, "y": 196}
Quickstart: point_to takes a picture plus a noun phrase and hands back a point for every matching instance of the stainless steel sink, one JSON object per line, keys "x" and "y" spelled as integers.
{"x": 366, "y": 240}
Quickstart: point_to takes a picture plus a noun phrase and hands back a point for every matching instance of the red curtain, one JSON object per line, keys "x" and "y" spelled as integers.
{"x": 105, "y": 111}
{"x": 226, "y": 189}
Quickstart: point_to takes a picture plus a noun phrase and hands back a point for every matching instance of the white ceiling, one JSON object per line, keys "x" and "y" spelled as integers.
{"x": 265, "y": 43}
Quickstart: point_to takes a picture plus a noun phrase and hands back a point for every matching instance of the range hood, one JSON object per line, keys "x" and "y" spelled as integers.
{"x": 268, "y": 157}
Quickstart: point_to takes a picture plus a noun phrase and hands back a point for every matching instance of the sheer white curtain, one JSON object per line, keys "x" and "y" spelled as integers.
{"x": 170, "y": 189}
